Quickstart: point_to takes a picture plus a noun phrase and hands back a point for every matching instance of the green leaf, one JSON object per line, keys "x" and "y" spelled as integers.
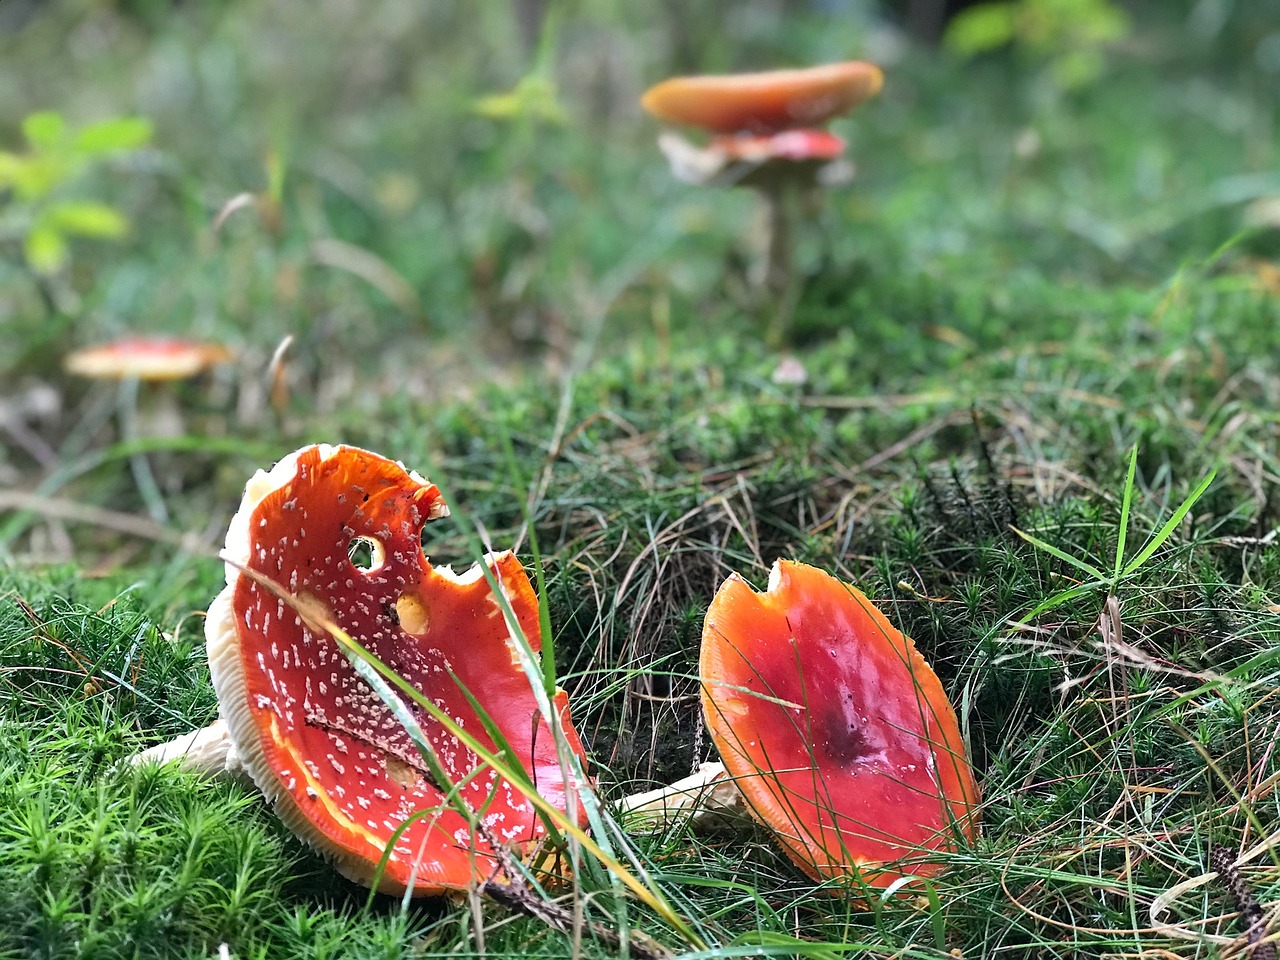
{"x": 41, "y": 174}
{"x": 45, "y": 249}
{"x": 1058, "y": 599}
{"x": 120, "y": 133}
{"x": 1126, "y": 501}
{"x": 1077, "y": 68}
{"x": 979, "y": 29}
{"x": 1165, "y": 532}
{"x": 277, "y": 167}
{"x": 10, "y": 169}
{"x": 1082, "y": 565}
{"x": 86, "y": 218}
{"x": 45, "y": 130}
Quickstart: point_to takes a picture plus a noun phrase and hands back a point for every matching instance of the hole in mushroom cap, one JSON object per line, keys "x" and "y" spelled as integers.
{"x": 366, "y": 553}
{"x": 431, "y": 534}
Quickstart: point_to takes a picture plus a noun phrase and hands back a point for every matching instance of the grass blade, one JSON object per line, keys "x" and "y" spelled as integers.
{"x": 1170, "y": 525}
{"x": 1126, "y": 502}
{"x": 1082, "y": 565}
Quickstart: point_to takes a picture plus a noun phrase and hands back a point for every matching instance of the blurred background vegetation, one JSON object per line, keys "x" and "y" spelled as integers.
{"x": 418, "y": 227}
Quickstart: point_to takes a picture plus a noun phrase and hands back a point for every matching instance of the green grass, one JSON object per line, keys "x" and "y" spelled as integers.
{"x": 1021, "y": 287}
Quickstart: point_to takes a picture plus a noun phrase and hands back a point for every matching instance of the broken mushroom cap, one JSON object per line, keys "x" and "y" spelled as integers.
{"x": 333, "y": 534}
{"x": 839, "y": 734}
{"x": 146, "y": 358}
{"x": 764, "y": 102}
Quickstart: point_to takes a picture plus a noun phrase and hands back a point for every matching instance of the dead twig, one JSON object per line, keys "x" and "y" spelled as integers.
{"x": 1223, "y": 860}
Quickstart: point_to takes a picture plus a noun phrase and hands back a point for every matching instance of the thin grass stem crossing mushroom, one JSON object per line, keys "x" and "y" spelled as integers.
{"x": 332, "y": 534}
{"x": 835, "y": 729}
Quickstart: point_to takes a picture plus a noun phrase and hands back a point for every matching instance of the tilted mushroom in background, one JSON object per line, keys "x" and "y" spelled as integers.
{"x": 836, "y": 730}
{"x": 149, "y": 359}
{"x": 333, "y": 533}
{"x": 155, "y": 361}
{"x": 766, "y": 134}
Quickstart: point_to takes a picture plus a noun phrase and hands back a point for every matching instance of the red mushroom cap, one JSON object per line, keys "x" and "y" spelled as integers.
{"x": 146, "y": 358}
{"x": 764, "y": 102}
{"x": 785, "y": 145}
{"x": 758, "y": 160}
{"x": 839, "y": 734}
{"x": 318, "y": 741}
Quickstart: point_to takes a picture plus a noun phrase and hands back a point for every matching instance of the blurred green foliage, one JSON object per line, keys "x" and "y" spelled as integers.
{"x": 38, "y": 208}
{"x": 1069, "y": 37}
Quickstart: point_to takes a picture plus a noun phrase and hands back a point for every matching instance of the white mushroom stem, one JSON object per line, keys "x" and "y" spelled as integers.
{"x": 209, "y": 752}
{"x": 775, "y": 271}
{"x": 706, "y": 796}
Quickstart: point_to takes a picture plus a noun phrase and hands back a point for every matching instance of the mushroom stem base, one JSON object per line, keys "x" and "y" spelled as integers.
{"x": 707, "y": 797}
{"x": 209, "y": 752}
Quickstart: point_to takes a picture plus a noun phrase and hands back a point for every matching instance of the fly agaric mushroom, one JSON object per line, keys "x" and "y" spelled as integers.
{"x": 765, "y": 134}
{"x": 146, "y": 358}
{"x": 150, "y": 360}
{"x": 838, "y": 733}
{"x": 333, "y": 534}
{"x": 764, "y": 102}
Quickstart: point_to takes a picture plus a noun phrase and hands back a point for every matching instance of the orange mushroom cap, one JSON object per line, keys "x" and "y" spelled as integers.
{"x": 764, "y": 102}
{"x": 839, "y": 734}
{"x": 317, "y": 740}
{"x": 146, "y": 358}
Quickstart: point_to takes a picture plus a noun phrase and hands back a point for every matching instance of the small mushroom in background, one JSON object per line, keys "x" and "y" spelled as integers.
{"x": 834, "y": 728}
{"x": 336, "y": 531}
{"x": 157, "y": 362}
{"x": 766, "y": 133}
{"x": 150, "y": 359}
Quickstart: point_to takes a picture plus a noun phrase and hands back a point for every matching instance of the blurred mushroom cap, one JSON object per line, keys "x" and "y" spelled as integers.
{"x": 764, "y": 102}
{"x": 146, "y": 358}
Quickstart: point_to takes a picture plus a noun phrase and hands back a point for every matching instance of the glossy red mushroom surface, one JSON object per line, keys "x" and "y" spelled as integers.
{"x": 764, "y": 102}
{"x": 840, "y": 736}
{"x": 342, "y": 772}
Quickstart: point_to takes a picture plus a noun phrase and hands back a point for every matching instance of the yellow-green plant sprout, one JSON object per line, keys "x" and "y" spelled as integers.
{"x": 1069, "y": 36}
{"x": 533, "y": 98}
{"x": 39, "y": 209}
{"x": 1122, "y": 567}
